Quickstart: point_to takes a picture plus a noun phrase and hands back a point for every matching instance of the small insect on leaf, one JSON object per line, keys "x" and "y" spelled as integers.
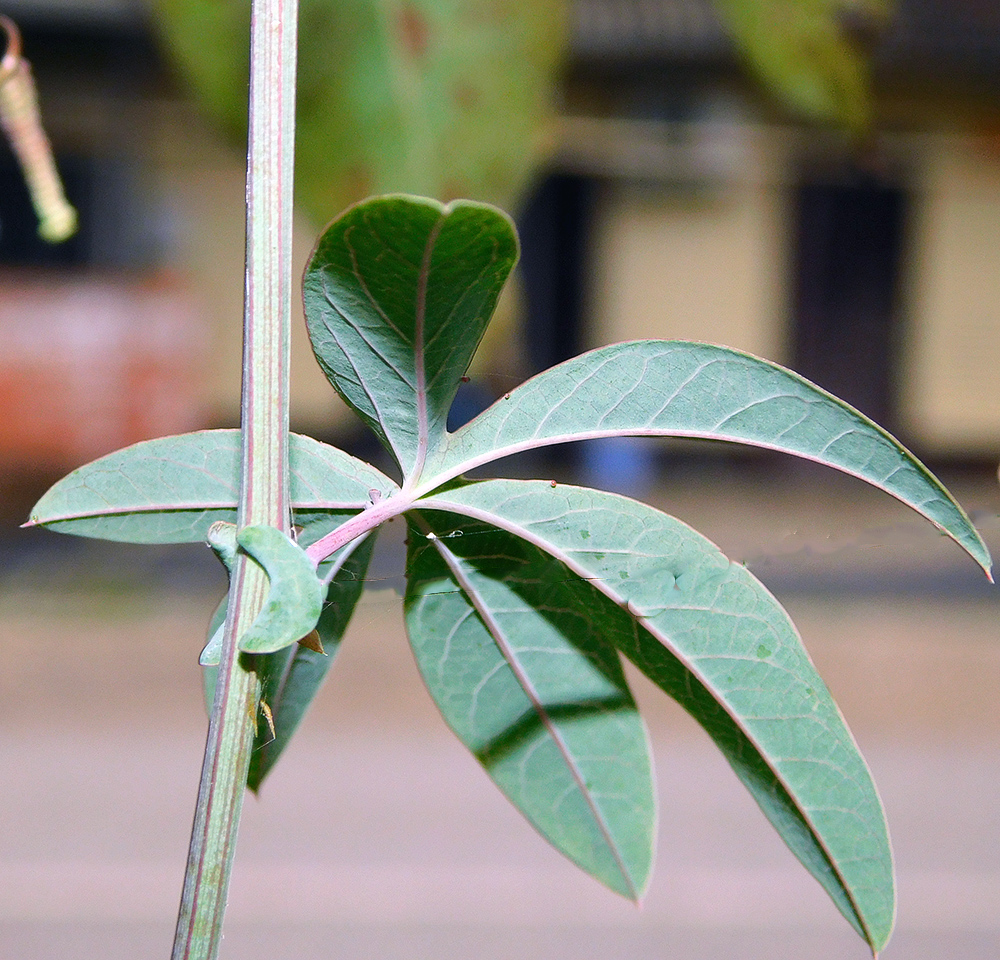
{"x": 311, "y": 641}
{"x": 269, "y": 717}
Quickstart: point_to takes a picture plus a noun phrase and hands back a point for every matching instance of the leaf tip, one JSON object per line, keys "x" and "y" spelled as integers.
{"x": 634, "y": 889}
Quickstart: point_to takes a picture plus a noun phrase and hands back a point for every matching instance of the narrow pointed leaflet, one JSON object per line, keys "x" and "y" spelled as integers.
{"x": 291, "y": 678}
{"x": 398, "y": 294}
{"x": 508, "y": 651}
{"x": 674, "y": 388}
{"x": 172, "y": 489}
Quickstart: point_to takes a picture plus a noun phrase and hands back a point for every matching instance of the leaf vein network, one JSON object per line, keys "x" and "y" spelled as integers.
{"x": 627, "y": 394}
{"x": 363, "y": 283}
{"x": 686, "y": 382}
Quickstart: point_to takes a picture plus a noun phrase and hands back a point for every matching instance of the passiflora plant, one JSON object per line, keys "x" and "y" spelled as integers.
{"x": 522, "y": 596}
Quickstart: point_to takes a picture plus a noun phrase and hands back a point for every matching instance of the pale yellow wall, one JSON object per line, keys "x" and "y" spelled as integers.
{"x": 711, "y": 266}
{"x": 952, "y": 355}
{"x": 701, "y": 267}
{"x": 203, "y": 184}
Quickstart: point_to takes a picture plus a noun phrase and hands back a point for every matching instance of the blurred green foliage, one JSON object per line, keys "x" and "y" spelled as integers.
{"x": 445, "y": 98}
{"x": 453, "y": 98}
{"x": 812, "y": 53}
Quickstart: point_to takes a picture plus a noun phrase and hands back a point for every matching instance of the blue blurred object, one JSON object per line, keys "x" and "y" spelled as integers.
{"x": 625, "y": 465}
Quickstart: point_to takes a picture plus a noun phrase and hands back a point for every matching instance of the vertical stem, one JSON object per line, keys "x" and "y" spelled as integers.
{"x": 264, "y": 488}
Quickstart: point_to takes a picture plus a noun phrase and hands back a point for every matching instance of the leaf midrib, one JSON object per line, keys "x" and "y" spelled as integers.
{"x": 420, "y": 355}
{"x": 173, "y": 508}
{"x": 453, "y": 470}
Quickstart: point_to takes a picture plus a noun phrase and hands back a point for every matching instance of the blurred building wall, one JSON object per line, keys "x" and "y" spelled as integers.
{"x": 950, "y": 385}
{"x": 703, "y": 231}
{"x": 692, "y": 234}
{"x": 698, "y": 262}
{"x": 717, "y": 264}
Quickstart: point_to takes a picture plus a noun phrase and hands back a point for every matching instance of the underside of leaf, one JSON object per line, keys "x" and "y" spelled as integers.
{"x": 711, "y": 635}
{"x": 520, "y": 674}
{"x": 295, "y": 594}
{"x": 397, "y": 296}
{"x": 172, "y": 489}
{"x": 677, "y": 388}
{"x": 291, "y": 678}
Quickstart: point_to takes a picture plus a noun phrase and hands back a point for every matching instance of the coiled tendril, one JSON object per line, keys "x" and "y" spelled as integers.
{"x": 21, "y": 122}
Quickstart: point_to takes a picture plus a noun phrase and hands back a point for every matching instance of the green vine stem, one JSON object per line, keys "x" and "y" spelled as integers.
{"x": 264, "y": 484}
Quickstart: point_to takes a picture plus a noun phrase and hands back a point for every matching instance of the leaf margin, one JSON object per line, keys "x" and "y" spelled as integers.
{"x": 312, "y": 464}
{"x": 363, "y": 340}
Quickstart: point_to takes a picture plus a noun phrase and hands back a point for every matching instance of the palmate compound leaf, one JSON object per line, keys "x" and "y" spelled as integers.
{"x": 506, "y": 645}
{"x": 707, "y": 632}
{"x": 675, "y": 388}
{"x": 291, "y": 677}
{"x": 172, "y": 489}
{"x": 397, "y": 296}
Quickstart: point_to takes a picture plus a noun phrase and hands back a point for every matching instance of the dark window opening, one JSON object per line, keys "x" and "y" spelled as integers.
{"x": 554, "y": 227}
{"x": 848, "y": 254}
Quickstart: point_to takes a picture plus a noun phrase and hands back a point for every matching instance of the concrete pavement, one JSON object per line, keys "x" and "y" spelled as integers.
{"x": 378, "y": 837}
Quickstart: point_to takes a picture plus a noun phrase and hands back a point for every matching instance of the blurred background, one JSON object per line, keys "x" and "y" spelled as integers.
{"x": 661, "y": 190}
